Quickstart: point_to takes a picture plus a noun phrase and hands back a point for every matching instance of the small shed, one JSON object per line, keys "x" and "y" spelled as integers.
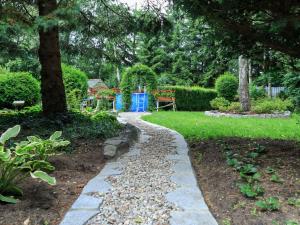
{"x": 94, "y": 85}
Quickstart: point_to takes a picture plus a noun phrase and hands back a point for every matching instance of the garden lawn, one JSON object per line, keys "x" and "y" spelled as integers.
{"x": 195, "y": 125}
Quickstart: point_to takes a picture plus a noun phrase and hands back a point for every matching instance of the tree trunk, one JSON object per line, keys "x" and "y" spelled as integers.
{"x": 52, "y": 86}
{"x": 250, "y": 72}
{"x": 243, "y": 83}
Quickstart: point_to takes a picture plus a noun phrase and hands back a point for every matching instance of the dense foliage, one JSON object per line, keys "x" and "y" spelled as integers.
{"x": 192, "y": 98}
{"x": 74, "y": 79}
{"x": 76, "y": 85}
{"x": 18, "y": 86}
{"x": 138, "y": 76}
{"x": 227, "y": 86}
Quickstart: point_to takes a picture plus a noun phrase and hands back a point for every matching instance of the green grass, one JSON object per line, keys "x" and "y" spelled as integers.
{"x": 195, "y": 125}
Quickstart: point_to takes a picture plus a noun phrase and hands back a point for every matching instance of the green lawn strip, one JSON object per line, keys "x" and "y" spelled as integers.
{"x": 195, "y": 125}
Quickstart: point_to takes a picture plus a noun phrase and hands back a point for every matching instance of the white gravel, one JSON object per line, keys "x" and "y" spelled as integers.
{"x": 138, "y": 195}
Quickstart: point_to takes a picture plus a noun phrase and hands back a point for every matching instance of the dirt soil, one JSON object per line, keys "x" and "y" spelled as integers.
{"x": 46, "y": 205}
{"x": 219, "y": 182}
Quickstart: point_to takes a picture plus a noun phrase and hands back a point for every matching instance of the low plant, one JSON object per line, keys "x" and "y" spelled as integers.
{"x": 294, "y": 202}
{"x": 269, "y": 204}
{"x": 276, "y": 179}
{"x": 23, "y": 159}
{"x": 234, "y": 107}
{"x": 251, "y": 190}
{"x": 272, "y": 106}
{"x": 226, "y": 221}
{"x": 257, "y": 92}
{"x": 251, "y": 178}
{"x": 248, "y": 169}
{"x": 220, "y": 103}
{"x": 270, "y": 170}
{"x": 292, "y": 222}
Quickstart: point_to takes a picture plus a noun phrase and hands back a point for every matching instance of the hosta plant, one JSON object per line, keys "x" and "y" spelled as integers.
{"x": 269, "y": 204}
{"x": 251, "y": 190}
{"x": 25, "y": 159}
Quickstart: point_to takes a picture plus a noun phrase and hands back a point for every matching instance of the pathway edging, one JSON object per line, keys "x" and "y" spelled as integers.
{"x": 191, "y": 208}
{"x": 187, "y": 196}
{"x": 90, "y": 200}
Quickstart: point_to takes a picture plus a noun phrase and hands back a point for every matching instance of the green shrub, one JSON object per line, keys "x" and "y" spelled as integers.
{"x": 283, "y": 95}
{"x": 257, "y": 92}
{"x": 91, "y": 125}
{"x": 272, "y": 105}
{"x": 227, "y": 86}
{"x": 74, "y": 79}
{"x": 269, "y": 204}
{"x": 138, "y": 75}
{"x": 235, "y": 107}
{"x": 27, "y": 158}
{"x": 220, "y": 103}
{"x": 74, "y": 99}
{"x": 18, "y": 86}
{"x": 192, "y": 98}
{"x": 291, "y": 82}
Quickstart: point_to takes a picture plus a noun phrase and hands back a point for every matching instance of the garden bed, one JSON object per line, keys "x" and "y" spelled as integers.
{"x": 43, "y": 204}
{"x": 216, "y": 113}
{"x": 220, "y": 182}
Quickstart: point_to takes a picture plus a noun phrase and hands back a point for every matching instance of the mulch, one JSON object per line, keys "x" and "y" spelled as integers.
{"x": 46, "y": 205}
{"x": 219, "y": 182}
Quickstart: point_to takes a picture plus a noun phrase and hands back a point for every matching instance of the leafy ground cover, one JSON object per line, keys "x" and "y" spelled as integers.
{"x": 271, "y": 198}
{"x": 248, "y": 169}
{"x": 44, "y": 204}
{"x": 195, "y": 125}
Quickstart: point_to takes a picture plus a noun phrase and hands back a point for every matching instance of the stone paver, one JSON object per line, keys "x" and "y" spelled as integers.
{"x": 152, "y": 184}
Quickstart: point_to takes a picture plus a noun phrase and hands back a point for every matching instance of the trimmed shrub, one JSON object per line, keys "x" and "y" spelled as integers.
{"x": 134, "y": 76}
{"x": 74, "y": 79}
{"x": 76, "y": 85}
{"x": 227, "y": 86}
{"x": 272, "y": 105}
{"x": 257, "y": 92}
{"x": 18, "y": 86}
{"x": 192, "y": 98}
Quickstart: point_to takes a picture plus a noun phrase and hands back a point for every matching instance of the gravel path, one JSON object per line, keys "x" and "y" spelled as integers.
{"x": 138, "y": 195}
{"x": 152, "y": 184}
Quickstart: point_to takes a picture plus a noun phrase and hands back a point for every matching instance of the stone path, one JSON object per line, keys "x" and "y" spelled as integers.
{"x": 152, "y": 184}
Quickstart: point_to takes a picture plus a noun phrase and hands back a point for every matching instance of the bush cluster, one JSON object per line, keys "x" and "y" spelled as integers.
{"x": 192, "y": 98}
{"x": 260, "y": 106}
{"x": 76, "y": 85}
{"x": 227, "y": 86}
{"x": 272, "y": 105}
{"x": 257, "y": 92}
{"x": 18, "y": 86}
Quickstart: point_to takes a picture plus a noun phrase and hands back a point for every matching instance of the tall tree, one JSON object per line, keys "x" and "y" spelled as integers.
{"x": 52, "y": 86}
{"x": 274, "y": 24}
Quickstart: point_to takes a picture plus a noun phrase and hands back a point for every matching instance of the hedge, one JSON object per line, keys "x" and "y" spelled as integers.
{"x": 18, "y": 86}
{"x": 74, "y": 79}
{"x": 192, "y": 98}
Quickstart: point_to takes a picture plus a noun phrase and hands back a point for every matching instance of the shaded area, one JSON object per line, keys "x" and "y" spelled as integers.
{"x": 44, "y": 204}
